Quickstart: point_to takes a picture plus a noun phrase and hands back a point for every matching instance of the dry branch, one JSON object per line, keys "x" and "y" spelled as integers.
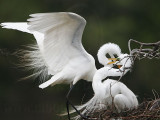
{"x": 152, "y": 50}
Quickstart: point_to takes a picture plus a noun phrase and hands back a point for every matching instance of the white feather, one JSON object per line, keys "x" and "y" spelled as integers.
{"x": 60, "y": 52}
{"x": 21, "y": 26}
{"x": 58, "y": 36}
{"x": 109, "y": 48}
{"x": 62, "y": 38}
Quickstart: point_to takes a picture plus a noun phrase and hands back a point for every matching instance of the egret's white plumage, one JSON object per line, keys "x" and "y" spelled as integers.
{"x": 60, "y": 52}
{"x": 58, "y": 36}
{"x": 109, "y": 48}
{"x": 110, "y": 92}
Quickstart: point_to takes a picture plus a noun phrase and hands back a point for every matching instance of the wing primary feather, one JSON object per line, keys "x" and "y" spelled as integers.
{"x": 21, "y": 26}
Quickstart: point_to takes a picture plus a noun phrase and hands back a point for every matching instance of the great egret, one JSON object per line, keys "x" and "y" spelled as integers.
{"x": 110, "y": 92}
{"x": 59, "y": 51}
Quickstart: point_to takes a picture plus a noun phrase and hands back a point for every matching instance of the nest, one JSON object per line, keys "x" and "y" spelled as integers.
{"x": 147, "y": 110}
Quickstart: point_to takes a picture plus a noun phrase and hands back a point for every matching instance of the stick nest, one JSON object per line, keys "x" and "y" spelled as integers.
{"x": 147, "y": 110}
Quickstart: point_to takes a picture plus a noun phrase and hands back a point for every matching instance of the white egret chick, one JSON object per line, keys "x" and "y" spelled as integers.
{"x": 109, "y": 92}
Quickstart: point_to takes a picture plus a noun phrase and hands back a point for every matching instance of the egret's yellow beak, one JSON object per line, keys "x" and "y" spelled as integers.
{"x": 113, "y": 60}
{"x": 119, "y": 66}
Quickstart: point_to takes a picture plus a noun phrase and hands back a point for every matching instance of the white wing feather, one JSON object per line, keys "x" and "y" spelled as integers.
{"x": 21, "y": 26}
{"x": 58, "y": 36}
{"x": 62, "y": 37}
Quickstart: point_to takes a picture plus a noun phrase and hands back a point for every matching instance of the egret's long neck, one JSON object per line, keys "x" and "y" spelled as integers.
{"x": 109, "y": 71}
{"x": 102, "y": 74}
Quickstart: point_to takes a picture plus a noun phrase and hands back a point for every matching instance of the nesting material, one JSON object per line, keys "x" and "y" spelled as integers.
{"x": 147, "y": 110}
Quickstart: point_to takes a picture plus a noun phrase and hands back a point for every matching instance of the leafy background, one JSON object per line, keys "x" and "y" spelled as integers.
{"x": 107, "y": 21}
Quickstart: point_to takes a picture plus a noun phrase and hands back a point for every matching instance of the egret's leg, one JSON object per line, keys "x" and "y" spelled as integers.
{"x": 68, "y": 102}
{"x": 71, "y": 84}
{"x": 67, "y": 106}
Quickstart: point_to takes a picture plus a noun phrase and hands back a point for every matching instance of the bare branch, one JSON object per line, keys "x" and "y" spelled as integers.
{"x": 152, "y": 50}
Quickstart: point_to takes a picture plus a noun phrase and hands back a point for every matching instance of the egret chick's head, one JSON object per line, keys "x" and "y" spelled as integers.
{"x": 111, "y": 49}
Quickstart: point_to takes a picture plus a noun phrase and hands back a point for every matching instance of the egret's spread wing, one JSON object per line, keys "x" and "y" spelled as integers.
{"x": 62, "y": 38}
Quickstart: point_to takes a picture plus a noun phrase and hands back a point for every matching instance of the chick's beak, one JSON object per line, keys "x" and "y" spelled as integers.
{"x": 119, "y": 66}
{"x": 113, "y": 60}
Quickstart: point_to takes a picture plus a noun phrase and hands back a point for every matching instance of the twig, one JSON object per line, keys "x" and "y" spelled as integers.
{"x": 142, "y": 53}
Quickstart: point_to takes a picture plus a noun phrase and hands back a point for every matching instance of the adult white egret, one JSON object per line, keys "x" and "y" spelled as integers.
{"x": 110, "y": 92}
{"x": 58, "y": 37}
{"x": 59, "y": 51}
